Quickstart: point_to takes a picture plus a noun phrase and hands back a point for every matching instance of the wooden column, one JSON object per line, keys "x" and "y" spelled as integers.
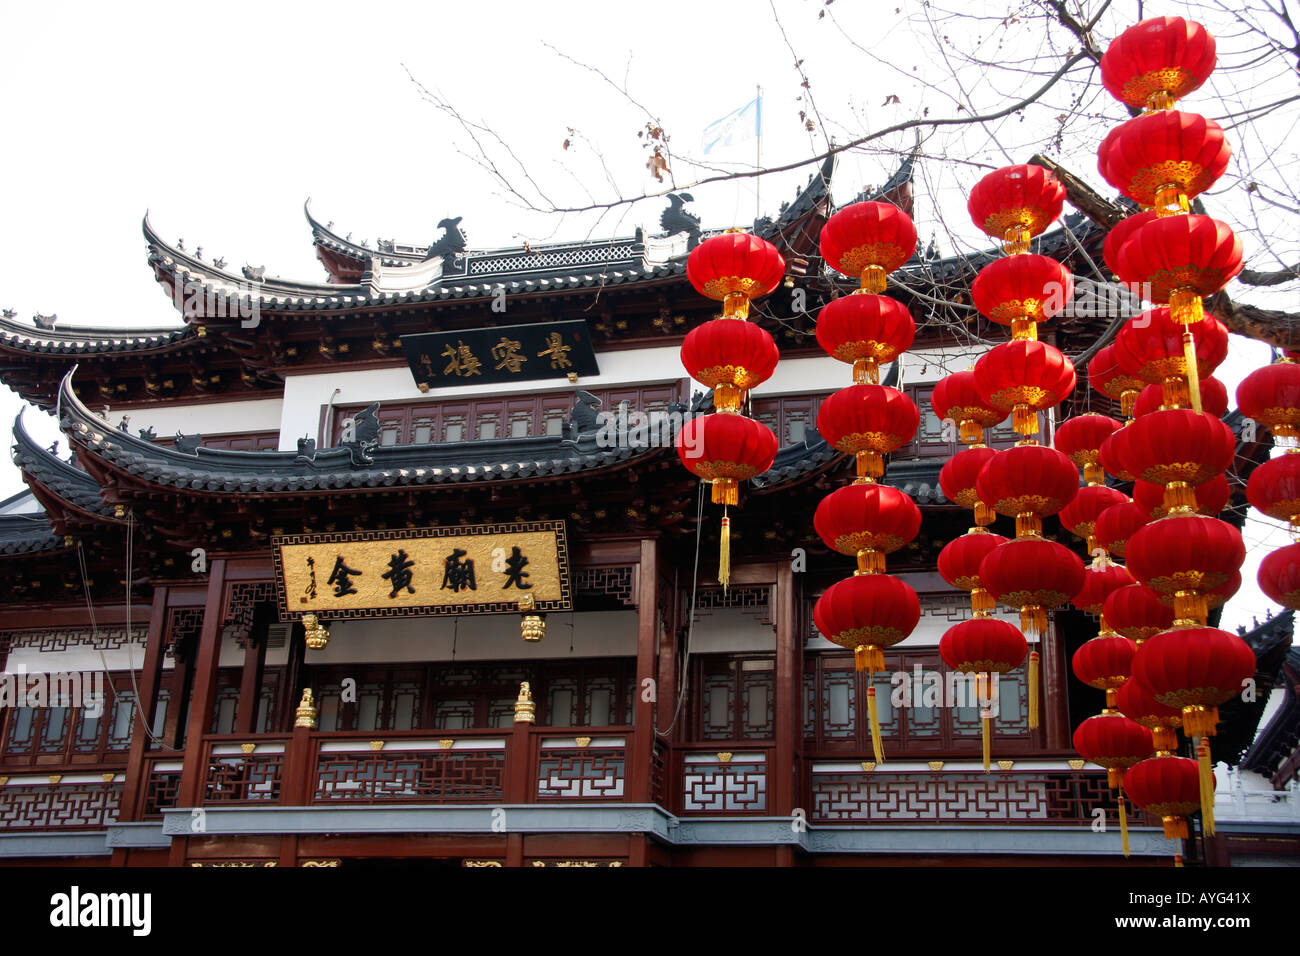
{"x": 1053, "y": 704}
{"x": 250, "y": 684}
{"x": 647, "y": 643}
{"x": 150, "y": 678}
{"x": 205, "y": 684}
{"x": 789, "y": 683}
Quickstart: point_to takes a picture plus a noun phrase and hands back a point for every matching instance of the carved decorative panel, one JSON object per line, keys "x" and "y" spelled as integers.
{"x": 586, "y": 774}
{"x": 73, "y": 806}
{"x": 183, "y": 625}
{"x": 244, "y": 778}
{"x": 241, "y": 605}
{"x": 162, "y": 792}
{"x": 735, "y": 785}
{"x": 431, "y": 776}
{"x": 49, "y": 640}
{"x": 757, "y": 599}
{"x": 617, "y": 582}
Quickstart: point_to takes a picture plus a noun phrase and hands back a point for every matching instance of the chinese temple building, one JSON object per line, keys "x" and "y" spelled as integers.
{"x": 402, "y": 566}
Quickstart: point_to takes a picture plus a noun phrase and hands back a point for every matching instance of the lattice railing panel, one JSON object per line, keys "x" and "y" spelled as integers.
{"x": 73, "y": 806}
{"x": 999, "y": 797}
{"x": 251, "y": 778}
{"x": 713, "y": 785}
{"x": 462, "y": 776}
{"x": 524, "y": 262}
{"x": 161, "y": 792}
{"x": 581, "y": 774}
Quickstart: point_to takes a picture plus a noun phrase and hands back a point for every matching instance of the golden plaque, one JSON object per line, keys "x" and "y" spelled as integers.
{"x": 467, "y": 569}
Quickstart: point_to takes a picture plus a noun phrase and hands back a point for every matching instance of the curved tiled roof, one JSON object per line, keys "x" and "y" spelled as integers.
{"x": 27, "y": 534}
{"x": 82, "y": 340}
{"x": 66, "y": 482}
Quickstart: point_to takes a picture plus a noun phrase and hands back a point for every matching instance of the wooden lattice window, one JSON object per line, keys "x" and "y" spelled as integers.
{"x": 930, "y": 441}
{"x": 735, "y": 697}
{"x": 248, "y": 441}
{"x": 793, "y": 418}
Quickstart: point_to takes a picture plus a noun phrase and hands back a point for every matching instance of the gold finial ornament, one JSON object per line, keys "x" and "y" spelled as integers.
{"x": 525, "y": 709}
{"x": 532, "y": 627}
{"x": 306, "y": 714}
{"x": 317, "y": 634}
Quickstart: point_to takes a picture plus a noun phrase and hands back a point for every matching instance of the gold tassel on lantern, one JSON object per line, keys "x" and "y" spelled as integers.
{"x": 1015, "y": 239}
{"x": 1024, "y": 420}
{"x": 1178, "y": 861}
{"x": 1186, "y": 308}
{"x": 1200, "y": 720}
{"x": 970, "y": 432}
{"x": 1033, "y": 690}
{"x": 725, "y": 491}
{"x": 1179, "y": 497}
{"x": 982, "y": 603}
{"x": 874, "y": 719}
{"x": 873, "y": 279}
{"x": 866, "y": 370}
{"x": 1207, "y": 785}
{"x": 724, "y": 553}
{"x": 1193, "y": 372}
{"x": 1123, "y": 823}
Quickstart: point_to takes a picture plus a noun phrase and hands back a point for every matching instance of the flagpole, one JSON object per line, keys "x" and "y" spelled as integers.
{"x": 758, "y": 153}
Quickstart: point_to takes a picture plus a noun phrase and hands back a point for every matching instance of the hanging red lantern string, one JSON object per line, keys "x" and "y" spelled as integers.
{"x": 1164, "y": 159}
{"x": 866, "y": 331}
{"x": 1119, "y": 234}
{"x": 730, "y": 356}
{"x": 1271, "y": 397}
{"x": 1024, "y": 378}
{"x": 1135, "y": 612}
{"x": 1196, "y": 668}
{"x": 1274, "y": 488}
{"x": 1033, "y": 575}
{"x": 1079, "y": 439}
{"x": 867, "y": 240}
{"x": 984, "y": 646}
{"x": 1117, "y": 743}
{"x": 1211, "y": 497}
{"x": 1099, "y": 583}
{"x": 1157, "y": 61}
{"x": 1167, "y": 787}
{"x": 956, "y": 399}
{"x": 958, "y": 479}
{"x": 1279, "y": 576}
{"x": 1106, "y": 663}
{"x": 1021, "y": 291}
{"x": 1117, "y": 524}
{"x": 1107, "y": 377}
{"x": 1081, "y": 514}
{"x": 1028, "y": 483}
{"x": 867, "y": 613}
{"x": 868, "y": 421}
{"x": 959, "y": 565}
{"x": 1214, "y": 399}
{"x": 1180, "y": 260}
{"x": 1215, "y": 597}
{"x": 1136, "y": 702}
{"x": 1016, "y": 203}
{"x": 1150, "y": 346}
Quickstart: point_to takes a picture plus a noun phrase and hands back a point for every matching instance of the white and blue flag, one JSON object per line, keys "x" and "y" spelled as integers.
{"x": 737, "y": 126}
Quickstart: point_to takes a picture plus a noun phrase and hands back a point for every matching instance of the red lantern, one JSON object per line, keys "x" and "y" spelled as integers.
{"x": 1164, "y": 159}
{"x": 1024, "y": 377}
{"x": 1136, "y": 703}
{"x": 1271, "y": 396}
{"x": 1098, "y": 584}
{"x": 959, "y": 565}
{"x": 1211, "y": 497}
{"x": 1016, "y": 203}
{"x": 726, "y": 449}
{"x": 955, "y": 398}
{"x": 869, "y": 521}
{"x": 866, "y": 331}
{"x": 1028, "y": 483}
{"x": 868, "y": 421}
{"x": 1180, "y": 260}
{"x": 735, "y": 267}
{"x": 1081, "y": 514}
{"x": 1135, "y": 611}
{"x": 1121, "y": 233}
{"x": 1157, "y": 61}
{"x": 1150, "y": 346}
{"x": 1214, "y": 399}
{"x": 868, "y": 240}
{"x": 1177, "y": 448}
{"x": 1117, "y": 524}
{"x": 959, "y": 477}
{"x": 1032, "y": 574}
{"x": 1080, "y": 438}
{"x": 1195, "y": 668}
{"x": 1105, "y": 662}
{"x": 1186, "y": 556}
{"x": 1214, "y": 597}
{"x": 983, "y": 646}
{"x": 1113, "y": 741}
{"x": 1279, "y": 576}
{"x": 1167, "y": 787}
{"x": 1106, "y": 376}
{"x": 729, "y": 357}
{"x": 868, "y": 612}
{"x": 1022, "y": 290}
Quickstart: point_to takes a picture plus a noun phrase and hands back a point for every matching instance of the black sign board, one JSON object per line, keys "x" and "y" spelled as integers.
{"x": 506, "y": 353}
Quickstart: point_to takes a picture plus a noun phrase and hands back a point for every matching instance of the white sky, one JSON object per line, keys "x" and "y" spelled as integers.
{"x": 220, "y": 119}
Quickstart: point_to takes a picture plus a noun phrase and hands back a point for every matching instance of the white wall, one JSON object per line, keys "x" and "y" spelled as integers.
{"x": 216, "y": 418}
{"x": 24, "y": 503}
